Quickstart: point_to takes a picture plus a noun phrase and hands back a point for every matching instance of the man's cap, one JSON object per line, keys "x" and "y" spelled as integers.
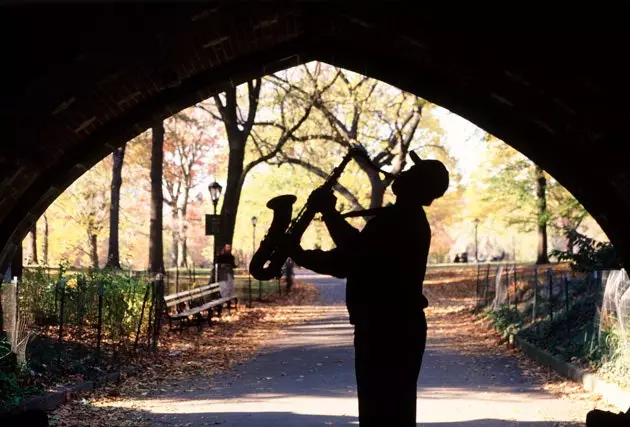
{"x": 430, "y": 176}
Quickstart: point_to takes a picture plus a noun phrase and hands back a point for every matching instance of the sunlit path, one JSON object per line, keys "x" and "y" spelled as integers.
{"x": 306, "y": 378}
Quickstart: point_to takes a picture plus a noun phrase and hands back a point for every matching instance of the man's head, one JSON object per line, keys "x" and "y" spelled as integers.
{"x": 227, "y": 248}
{"x": 424, "y": 182}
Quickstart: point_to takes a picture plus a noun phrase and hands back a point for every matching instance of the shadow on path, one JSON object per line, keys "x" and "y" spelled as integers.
{"x": 305, "y": 377}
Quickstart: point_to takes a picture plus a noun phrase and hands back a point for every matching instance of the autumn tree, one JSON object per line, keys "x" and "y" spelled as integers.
{"x": 113, "y": 255}
{"x": 349, "y": 110}
{"x": 85, "y": 203}
{"x": 527, "y": 197}
{"x": 229, "y": 107}
{"x": 188, "y": 142}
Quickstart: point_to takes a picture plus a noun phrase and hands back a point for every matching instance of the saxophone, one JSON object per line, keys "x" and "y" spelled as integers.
{"x": 284, "y": 234}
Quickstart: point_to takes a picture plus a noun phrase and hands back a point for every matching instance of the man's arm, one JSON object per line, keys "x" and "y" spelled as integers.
{"x": 332, "y": 262}
{"x": 340, "y": 231}
{"x": 323, "y": 200}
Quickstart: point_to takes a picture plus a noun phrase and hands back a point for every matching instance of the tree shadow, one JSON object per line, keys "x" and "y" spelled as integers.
{"x": 290, "y": 419}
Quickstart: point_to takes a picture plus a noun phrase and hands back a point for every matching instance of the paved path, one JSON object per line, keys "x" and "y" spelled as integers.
{"x": 305, "y": 378}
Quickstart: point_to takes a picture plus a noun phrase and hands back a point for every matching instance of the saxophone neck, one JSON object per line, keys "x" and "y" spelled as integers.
{"x": 336, "y": 174}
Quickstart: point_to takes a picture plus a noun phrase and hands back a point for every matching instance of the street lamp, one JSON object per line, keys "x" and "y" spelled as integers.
{"x": 215, "y": 192}
{"x": 254, "y": 221}
{"x": 476, "y": 222}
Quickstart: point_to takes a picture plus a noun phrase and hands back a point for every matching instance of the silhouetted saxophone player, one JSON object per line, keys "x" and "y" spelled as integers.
{"x": 384, "y": 264}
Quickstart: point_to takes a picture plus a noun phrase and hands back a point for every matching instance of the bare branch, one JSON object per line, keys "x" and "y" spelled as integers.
{"x": 269, "y": 124}
{"x": 282, "y": 140}
{"x": 360, "y": 83}
{"x": 345, "y": 79}
{"x": 210, "y": 112}
{"x": 414, "y": 126}
{"x": 332, "y": 82}
{"x": 253, "y": 91}
{"x": 322, "y": 174}
{"x": 257, "y": 142}
{"x": 335, "y": 123}
{"x": 355, "y": 121}
{"x": 370, "y": 91}
{"x": 319, "y": 136}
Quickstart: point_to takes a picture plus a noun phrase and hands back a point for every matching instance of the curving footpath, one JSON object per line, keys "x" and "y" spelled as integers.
{"x": 306, "y": 378}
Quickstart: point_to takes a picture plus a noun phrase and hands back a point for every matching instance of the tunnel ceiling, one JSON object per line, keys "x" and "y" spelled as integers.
{"x": 81, "y": 79}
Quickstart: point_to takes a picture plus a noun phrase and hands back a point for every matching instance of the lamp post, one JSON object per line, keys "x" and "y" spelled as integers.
{"x": 215, "y": 193}
{"x": 476, "y": 222}
{"x": 254, "y": 221}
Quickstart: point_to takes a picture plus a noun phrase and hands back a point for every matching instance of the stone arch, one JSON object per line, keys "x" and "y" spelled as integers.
{"x": 84, "y": 79}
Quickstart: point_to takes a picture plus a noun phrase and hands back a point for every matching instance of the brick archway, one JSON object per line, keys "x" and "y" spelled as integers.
{"x": 84, "y": 79}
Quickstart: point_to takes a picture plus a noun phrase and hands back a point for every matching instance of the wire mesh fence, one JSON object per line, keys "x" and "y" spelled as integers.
{"x": 582, "y": 317}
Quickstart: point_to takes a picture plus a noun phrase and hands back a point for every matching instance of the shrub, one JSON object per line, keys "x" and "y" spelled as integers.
{"x": 591, "y": 255}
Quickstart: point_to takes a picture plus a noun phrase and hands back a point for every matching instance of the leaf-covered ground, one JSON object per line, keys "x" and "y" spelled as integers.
{"x": 195, "y": 354}
{"x": 451, "y": 317}
{"x": 189, "y": 354}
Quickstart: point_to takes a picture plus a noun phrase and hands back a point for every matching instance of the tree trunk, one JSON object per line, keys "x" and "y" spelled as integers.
{"x": 183, "y": 229}
{"x": 541, "y": 195}
{"x": 156, "y": 252}
{"x": 377, "y": 190}
{"x": 32, "y": 243}
{"x": 183, "y": 250}
{"x": 93, "y": 241}
{"x": 113, "y": 255}
{"x": 175, "y": 236}
{"x": 45, "y": 242}
{"x": 232, "y": 192}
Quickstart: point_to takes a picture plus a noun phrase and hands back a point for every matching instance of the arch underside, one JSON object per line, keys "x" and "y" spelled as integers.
{"x": 83, "y": 81}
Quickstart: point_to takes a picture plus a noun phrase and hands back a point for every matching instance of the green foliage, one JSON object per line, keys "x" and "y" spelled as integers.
{"x": 615, "y": 356}
{"x": 14, "y": 381}
{"x": 506, "y": 320}
{"x": 511, "y": 191}
{"x": 9, "y": 389}
{"x": 122, "y": 299}
{"x": 37, "y": 295}
{"x": 591, "y": 255}
{"x": 577, "y": 336}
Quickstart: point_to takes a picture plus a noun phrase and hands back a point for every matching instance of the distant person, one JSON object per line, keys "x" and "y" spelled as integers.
{"x": 225, "y": 262}
{"x": 226, "y": 257}
{"x": 388, "y": 349}
{"x": 288, "y": 273}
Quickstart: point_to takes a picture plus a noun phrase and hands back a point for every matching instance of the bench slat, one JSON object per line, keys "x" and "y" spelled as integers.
{"x": 182, "y": 294}
{"x": 174, "y": 302}
{"x": 196, "y": 294}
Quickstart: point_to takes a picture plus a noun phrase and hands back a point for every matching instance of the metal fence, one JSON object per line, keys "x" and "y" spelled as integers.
{"x": 532, "y": 290}
{"x": 80, "y": 323}
{"x": 84, "y": 322}
{"x": 554, "y": 307}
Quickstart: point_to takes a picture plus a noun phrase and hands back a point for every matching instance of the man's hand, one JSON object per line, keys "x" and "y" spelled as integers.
{"x": 322, "y": 200}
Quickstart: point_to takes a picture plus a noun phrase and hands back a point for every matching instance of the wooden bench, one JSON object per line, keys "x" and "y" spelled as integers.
{"x": 188, "y": 307}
